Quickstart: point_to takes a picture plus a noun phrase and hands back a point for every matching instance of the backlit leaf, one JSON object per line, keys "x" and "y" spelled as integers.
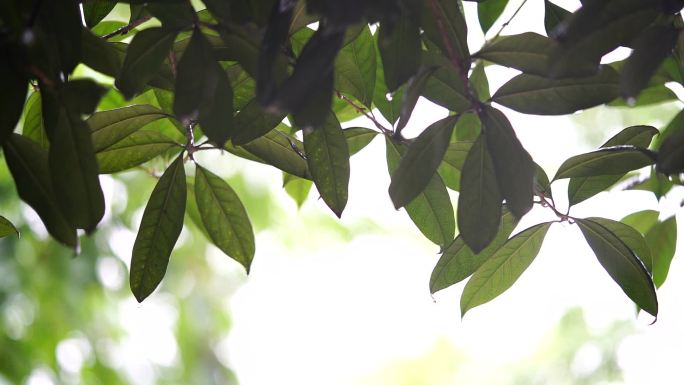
{"x": 616, "y": 160}
{"x": 358, "y": 138}
{"x": 488, "y": 11}
{"x": 355, "y": 68}
{"x": 662, "y": 239}
{"x": 445, "y": 86}
{"x": 135, "y": 149}
{"x": 632, "y": 238}
{"x": 253, "y": 121}
{"x": 7, "y": 228}
{"x": 527, "y": 52}
{"x": 109, "y": 127}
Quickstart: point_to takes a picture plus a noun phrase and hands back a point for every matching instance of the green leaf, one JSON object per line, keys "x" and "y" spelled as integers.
{"x": 458, "y": 261}
{"x": 135, "y": 149}
{"x": 12, "y": 96}
{"x": 531, "y": 94}
{"x": 224, "y": 217}
{"x": 28, "y": 163}
{"x": 541, "y": 182}
{"x": 7, "y": 228}
{"x": 421, "y": 161}
{"x": 503, "y": 268}
{"x": 328, "y": 159}
{"x": 452, "y": 164}
{"x": 479, "y": 202}
{"x": 649, "y": 50}
{"x": 358, "y": 138}
{"x": 479, "y": 82}
{"x": 253, "y": 121}
{"x": 616, "y": 160}
{"x": 297, "y": 188}
{"x": 527, "y": 52}
{"x": 161, "y": 224}
{"x": 648, "y": 96}
{"x": 596, "y": 29}
{"x": 144, "y": 57}
{"x": 400, "y": 50}
{"x": 431, "y": 211}
{"x": 621, "y": 264}
{"x": 355, "y": 68}
{"x": 670, "y": 154}
{"x": 553, "y": 15}
{"x": 445, "y": 86}
{"x": 33, "y": 121}
{"x": 448, "y": 14}
{"x": 389, "y": 104}
{"x": 662, "y": 240}
{"x": 582, "y": 188}
{"x": 74, "y": 172}
{"x": 414, "y": 87}
{"x": 468, "y": 127}
{"x": 489, "y": 11}
{"x": 100, "y": 55}
{"x": 109, "y": 127}
{"x": 203, "y": 91}
{"x": 96, "y": 10}
{"x": 632, "y": 238}
{"x": 275, "y": 36}
{"x": 641, "y": 220}
{"x": 178, "y": 15}
{"x": 513, "y": 165}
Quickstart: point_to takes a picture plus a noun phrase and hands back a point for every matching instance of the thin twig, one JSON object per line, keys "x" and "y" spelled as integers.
{"x": 509, "y": 20}
{"x": 365, "y": 113}
{"x": 126, "y": 28}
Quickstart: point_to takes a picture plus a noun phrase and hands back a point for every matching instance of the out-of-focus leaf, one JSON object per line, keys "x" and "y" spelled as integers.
{"x": 358, "y": 138}
{"x": 458, "y": 261}
{"x": 479, "y": 202}
{"x": 632, "y": 238}
{"x": 489, "y": 11}
{"x": 648, "y": 96}
{"x": 447, "y": 14}
{"x": 28, "y": 163}
{"x": 553, "y": 15}
{"x": 670, "y": 154}
{"x": 96, "y": 10}
{"x": 355, "y": 68}
{"x": 109, "y": 127}
{"x": 513, "y": 165}
{"x": 172, "y": 15}
{"x": 12, "y": 95}
{"x": 7, "y": 228}
{"x": 641, "y": 220}
{"x": 527, "y": 52}
{"x": 531, "y": 94}
{"x": 160, "y": 227}
{"x": 503, "y": 268}
{"x": 224, "y": 217}
{"x": 662, "y": 240}
{"x": 252, "y": 122}
{"x": 421, "y": 161}
{"x": 621, "y": 264}
{"x": 431, "y": 211}
{"x": 400, "y": 51}
{"x": 275, "y": 36}
{"x": 327, "y": 155}
{"x": 297, "y": 188}
{"x": 144, "y": 56}
{"x": 133, "y": 150}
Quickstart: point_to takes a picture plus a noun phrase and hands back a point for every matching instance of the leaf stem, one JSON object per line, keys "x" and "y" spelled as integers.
{"x": 545, "y": 203}
{"x": 126, "y": 28}
{"x": 504, "y": 25}
{"x": 365, "y": 113}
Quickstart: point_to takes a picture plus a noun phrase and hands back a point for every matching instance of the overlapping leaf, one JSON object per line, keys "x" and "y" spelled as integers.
{"x": 662, "y": 240}
{"x": 111, "y": 126}
{"x": 616, "y": 160}
{"x": 527, "y": 52}
{"x": 136, "y": 149}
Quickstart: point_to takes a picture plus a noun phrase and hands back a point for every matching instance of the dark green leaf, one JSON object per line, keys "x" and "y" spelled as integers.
{"x": 144, "y": 57}
{"x": 431, "y": 211}
{"x": 28, "y": 164}
{"x": 12, "y": 95}
{"x": 553, "y": 15}
{"x": 513, "y": 165}
{"x": 81, "y": 96}
{"x": 675, "y": 125}
{"x": 414, "y": 88}
{"x": 389, "y": 104}
{"x": 458, "y": 261}
{"x": 179, "y": 15}
{"x": 541, "y": 182}
{"x": 161, "y": 224}
{"x": 96, "y": 10}
{"x": 327, "y": 155}
{"x": 135, "y": 149}
{"x": 503, "y": 268}
{"x": 616, "y": 160}
{"x": 582, "y": 188}
{"x": 489, "y": 11}
{"x": 531, "y": 94}
{"x": 7, "y": 228}
{"x": 662, "y": 239}
{"x": 358, "y": 138}
{"x": 400, "y": 50}
{"x": 109, "y": 127}
{"x": 622, "y": 265}
{"x": 649, "y": 50}
{"x": 254, "y": 121}
{"x": 445, "y": 86}
{"x": 100, "y": 55}
{"x": 203, "y": 91}
{"x": 275, "y": 37}
{"x": 632, "y": 238}
{"x": 224, "y": 217}
{"x": 670, "y": 154}
{"x": 641, "y": 220}
{"x": 355, "y": 68}
{"x": 527, "y": 52}
{"x": 448, "y": 14}
{"x": 479, "y": 202}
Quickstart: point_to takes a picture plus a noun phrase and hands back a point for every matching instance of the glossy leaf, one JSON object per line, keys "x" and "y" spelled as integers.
{"x": 7, "y": 228}
{"x": 160, "y": 227}
{"x": 358, "y": 138}
{"x": 431, "y": 211}
{"x": 527, "y": 52}
{"x": 531, "y": 94}
{"x": 109, "y": 127}
{"x": 328, "y": 159}
{"x": 503, "y": 268}
{"x": 479, "y": 202}
{"x": 458, "y": 261}
{"x": 616, "y": 160}
{"x": 489, "y": 11}
{"x": 254, "y": 121}
{"x": 224, "y": 217}
{"x": 144, "y": 57}
{"x": 448, "y": 14}
{"x": 421, "y": 161}
{"x": 513, "y": 165}
{"x": 662, "y": 240}
{"x": 621, "y": 264}
{"x": 400, "y": 50}
{"x": 631, "y": 237}
{"x": 553, "y": 15}
{"x": 355, "y": 68}
{"x": 28, "y": 163}
{"x": 134, "y": 150}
